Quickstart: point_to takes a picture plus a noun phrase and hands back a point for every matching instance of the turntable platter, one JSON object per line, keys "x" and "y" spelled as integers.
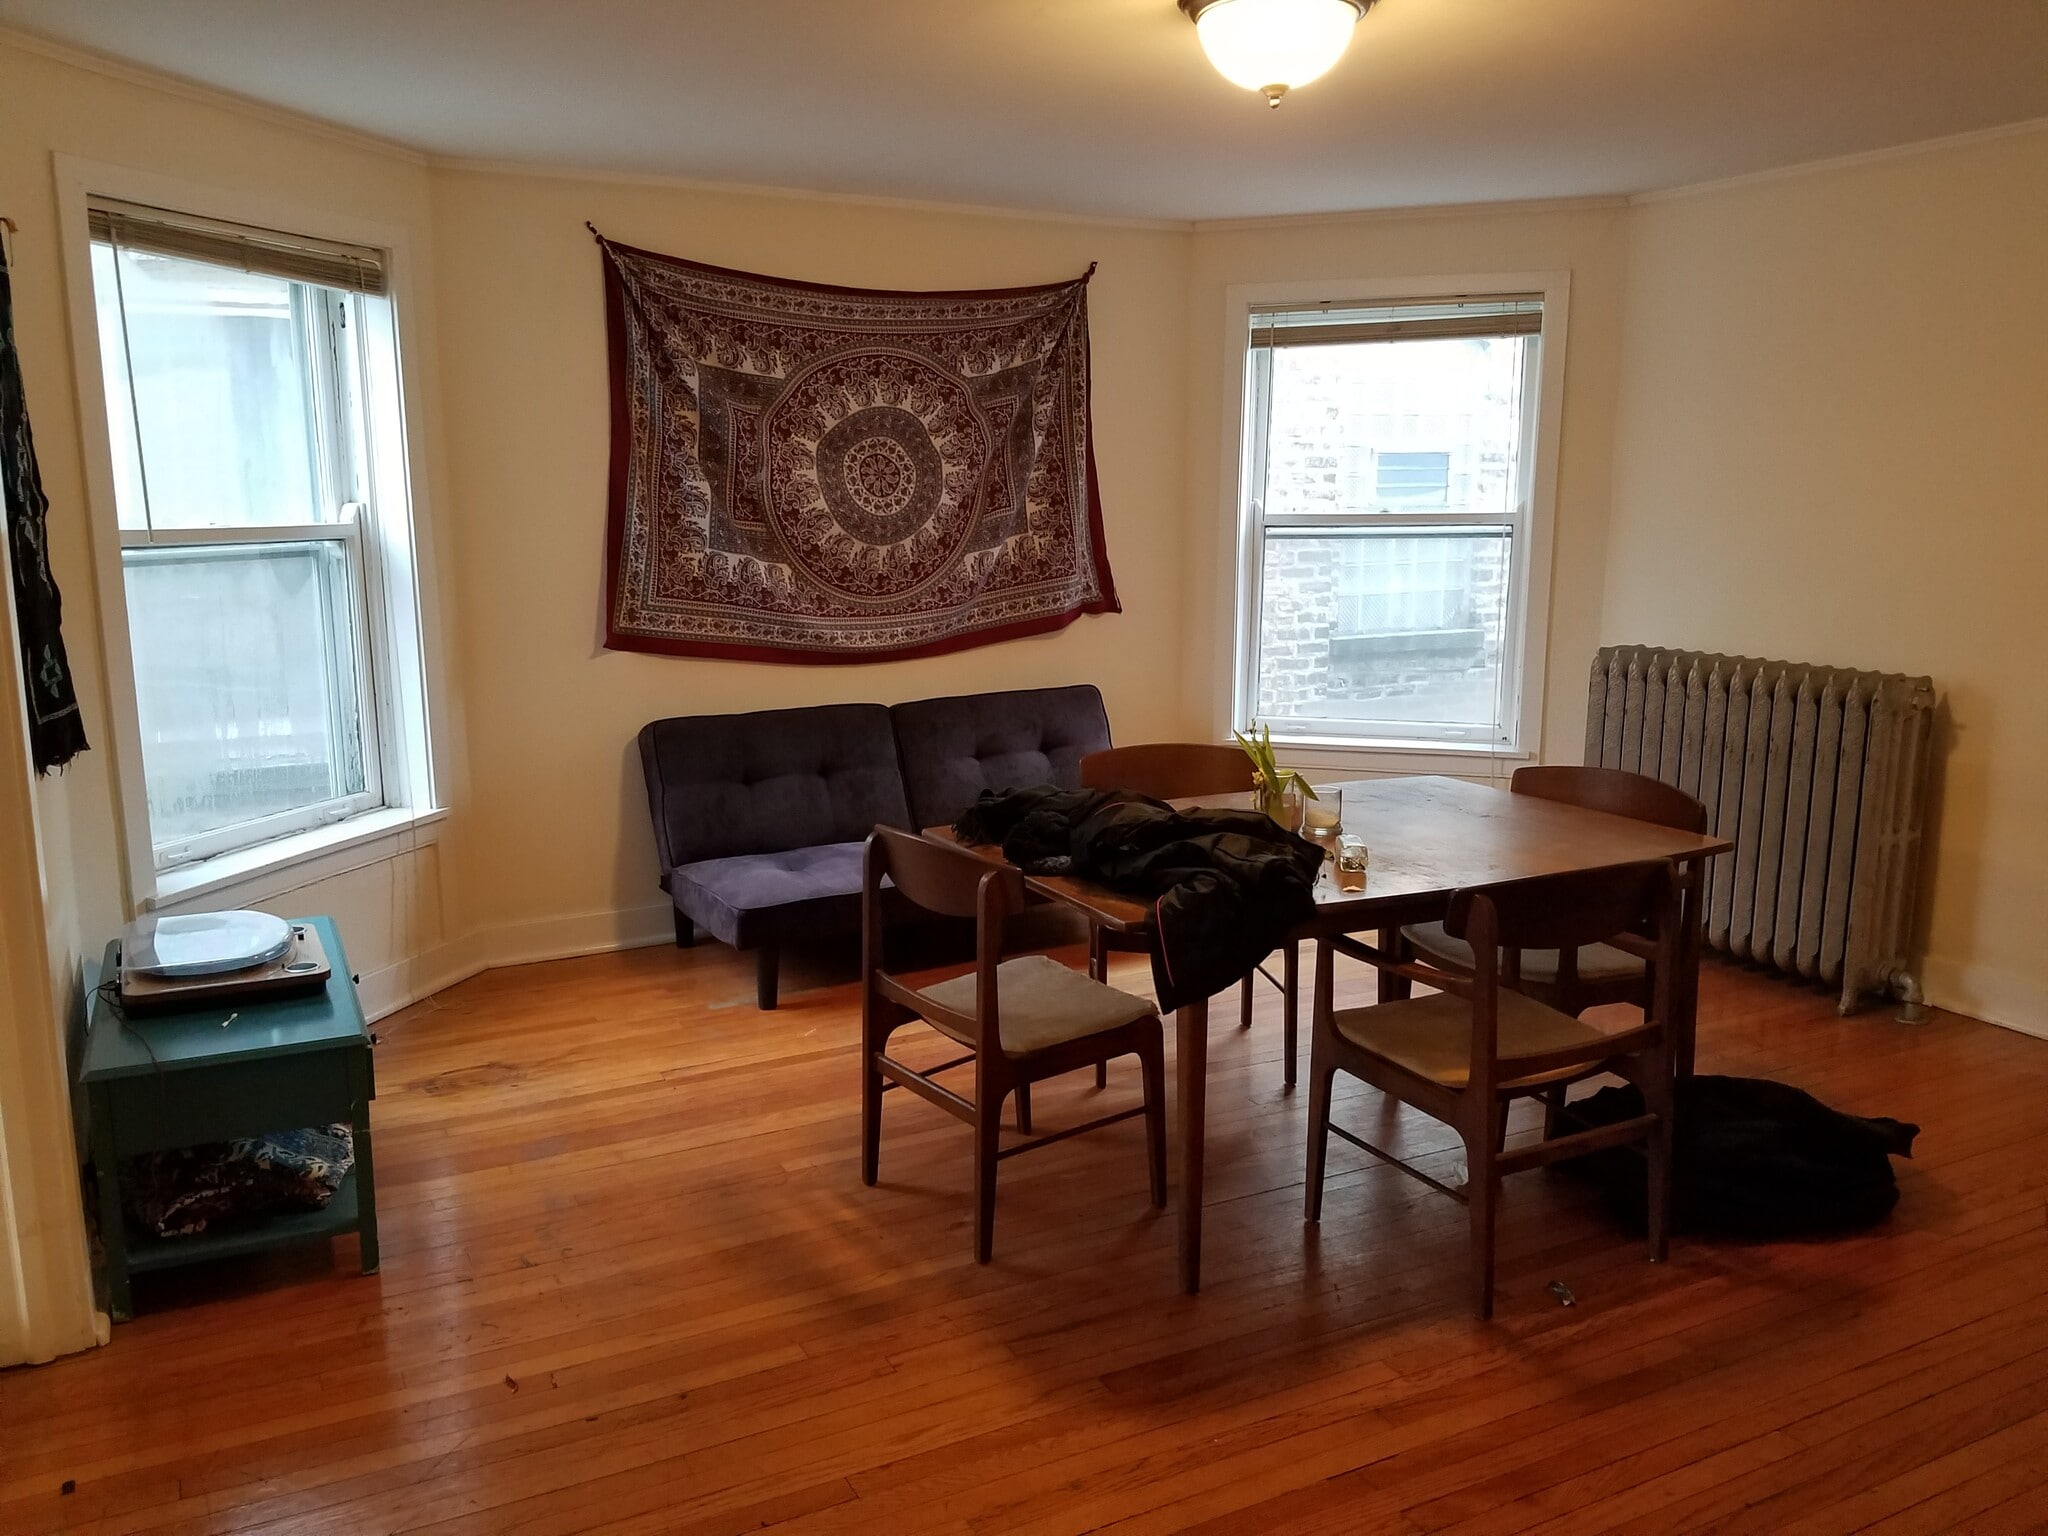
{"x": 204, "y": 943}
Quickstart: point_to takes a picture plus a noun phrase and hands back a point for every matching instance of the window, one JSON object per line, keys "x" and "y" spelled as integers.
{"x": 242, "y": 372}
{"x": 1387, "y": 493}
{"x": 1412, "y": 479}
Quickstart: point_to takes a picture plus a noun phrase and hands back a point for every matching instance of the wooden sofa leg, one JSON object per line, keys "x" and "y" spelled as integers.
{"x": 686, "y": 931}
{"x": 767, "y": 973}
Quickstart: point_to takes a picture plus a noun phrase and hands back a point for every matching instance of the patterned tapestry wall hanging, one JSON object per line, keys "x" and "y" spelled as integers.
{"x": 812, "y": 474}
{"x": 56, "y": 734}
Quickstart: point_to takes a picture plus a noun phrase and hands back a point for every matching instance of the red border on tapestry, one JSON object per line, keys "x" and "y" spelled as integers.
{"x": 621, "y": 455}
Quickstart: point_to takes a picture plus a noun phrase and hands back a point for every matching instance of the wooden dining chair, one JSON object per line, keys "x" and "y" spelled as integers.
{"x": 1020, "y": 1019}
{"x": 1181, "y": 770}
{"x": 1614, "y": 970}
{"x": 1463, "y": 1054}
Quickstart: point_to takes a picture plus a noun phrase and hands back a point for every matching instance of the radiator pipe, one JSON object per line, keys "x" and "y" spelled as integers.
{"x": 1904, "y": 986}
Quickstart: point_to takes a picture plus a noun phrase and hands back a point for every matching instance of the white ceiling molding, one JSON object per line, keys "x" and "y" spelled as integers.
{"x": 96, "y": 63}
{"x": 1843, "y": 162}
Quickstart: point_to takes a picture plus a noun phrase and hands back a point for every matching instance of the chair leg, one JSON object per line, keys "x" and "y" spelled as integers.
{"x": 767, "y": 973}
{"x": 1660, "y": 1190}
{"x": 1152, "y": 1067}
{"x": 1321, "y": 1074}
{"x": 870, "y": 1112}
{"x": 1661, "y": 1101}
{"x": 1098, "y": 970}
{"x": 1024, "y": 1108}
{"x": 1290, "y": 1017}
{"x": 988, "y": 1126}
{"x": 1553, "y": 1110}
{"x": 1482, "y": 1193}
{"x": 686, "y": 931}
{"x": 1245, "y": 999}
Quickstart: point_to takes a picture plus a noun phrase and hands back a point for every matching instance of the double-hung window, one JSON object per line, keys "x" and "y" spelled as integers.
{"x": 1387, "y": 478}
{"x": 240, "y": 367}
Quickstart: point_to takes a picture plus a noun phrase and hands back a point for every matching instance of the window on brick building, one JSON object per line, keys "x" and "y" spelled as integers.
{"x": 1387, "y": 494}
{"x": 252, "y": 393}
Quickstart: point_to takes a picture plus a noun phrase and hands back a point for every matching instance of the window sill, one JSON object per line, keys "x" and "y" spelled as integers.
{"x": 1336, "y": 757}
{"x": 288, "y": 863}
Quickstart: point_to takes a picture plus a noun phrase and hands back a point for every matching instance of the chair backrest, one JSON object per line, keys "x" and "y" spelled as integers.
{"x": 719, "y": 785}
{"x": 941, "y": 878}
{"x": 1563, "y": 912}
{"x": 1169, "y": 770}
{"x": 1616, "y": 791}
{"x": 954, "y": 748}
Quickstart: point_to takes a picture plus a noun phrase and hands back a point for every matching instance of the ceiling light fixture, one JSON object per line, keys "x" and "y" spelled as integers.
{"x": 1272, "y": 46}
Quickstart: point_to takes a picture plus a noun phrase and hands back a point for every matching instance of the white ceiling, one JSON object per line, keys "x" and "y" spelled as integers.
{"x": 1108, "y": 106}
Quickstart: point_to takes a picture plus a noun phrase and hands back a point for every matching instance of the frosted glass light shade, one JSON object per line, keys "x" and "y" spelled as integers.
{"x": 1272, "y": 46}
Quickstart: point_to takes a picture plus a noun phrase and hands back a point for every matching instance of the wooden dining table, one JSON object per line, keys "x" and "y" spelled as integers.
{"x": 1427, "y": 838}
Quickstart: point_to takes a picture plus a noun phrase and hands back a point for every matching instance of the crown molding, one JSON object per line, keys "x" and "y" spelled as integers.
{"x": 1411, "y": 211}
{"x": 205, "y": 95}
{"x": 1911, "y": 151}
{"x": 544, "y": 171}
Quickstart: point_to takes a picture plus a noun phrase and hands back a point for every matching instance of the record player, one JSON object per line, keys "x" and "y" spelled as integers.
{"x": 192, "y": 959}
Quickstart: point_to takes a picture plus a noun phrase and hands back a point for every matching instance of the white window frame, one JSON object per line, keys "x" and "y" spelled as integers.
{"x": 387, "y": 527}
{"x": 1526, "y": 633}
{"x": 334, "y": 328}
{"x": 266, "y": 829}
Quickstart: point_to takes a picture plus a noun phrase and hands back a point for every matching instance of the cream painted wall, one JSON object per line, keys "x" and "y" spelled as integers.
{"x": 564, "y": 856}
{"x": 1585, "y": 240}
{"x": 1834, "y": 404}
{"x": 59, "y": 104}
{"x": 55, "y": 105}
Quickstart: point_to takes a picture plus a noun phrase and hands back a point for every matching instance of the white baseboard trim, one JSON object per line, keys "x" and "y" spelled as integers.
{"x": 408, "y": 981}
{"x": 584, "y": 933}
{"x": 384, "y": 992}
{"x": 1997, "y": 997}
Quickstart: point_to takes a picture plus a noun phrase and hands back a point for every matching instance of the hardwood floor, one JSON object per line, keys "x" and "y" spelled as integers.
{"x": 632, "y": 1284}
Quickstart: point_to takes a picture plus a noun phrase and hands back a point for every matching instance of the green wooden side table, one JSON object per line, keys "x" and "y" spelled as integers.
{"x": 168, "y": 1080}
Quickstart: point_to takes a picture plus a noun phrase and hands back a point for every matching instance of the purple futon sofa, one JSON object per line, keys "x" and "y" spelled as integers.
{"x": 759, "y": 819}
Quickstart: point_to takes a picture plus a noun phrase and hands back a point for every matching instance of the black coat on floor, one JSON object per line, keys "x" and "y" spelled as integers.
{"x": 1755, "y": 1159}
{"x": 1226, "y": 886}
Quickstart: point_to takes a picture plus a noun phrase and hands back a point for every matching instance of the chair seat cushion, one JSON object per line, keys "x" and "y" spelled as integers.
{"x": 1597, "y": 962}
{"x": 1041, "y": 1003}
{"x": 1432, "y": 1036}
{"x": 743, "y": 898}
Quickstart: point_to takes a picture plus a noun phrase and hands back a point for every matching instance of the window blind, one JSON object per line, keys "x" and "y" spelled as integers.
{"x": 297, "y": 258}
{"x": 1327, "y": 325}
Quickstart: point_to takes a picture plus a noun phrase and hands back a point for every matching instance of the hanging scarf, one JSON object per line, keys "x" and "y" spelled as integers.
{"x": 56, "y": 734}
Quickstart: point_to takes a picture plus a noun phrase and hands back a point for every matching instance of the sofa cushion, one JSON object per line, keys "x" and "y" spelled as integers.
{"x": 746, "y": 897}
{"x": 725, "y": 785}
{"x": 955, "y": 748}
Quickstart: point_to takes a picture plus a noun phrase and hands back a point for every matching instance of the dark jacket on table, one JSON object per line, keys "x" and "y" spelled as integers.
{"x": 1226, "y": 886}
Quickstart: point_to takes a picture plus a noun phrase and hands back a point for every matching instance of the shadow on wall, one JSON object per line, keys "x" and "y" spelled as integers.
{"x": 636, "y": 866}
{"x": 1962, "y": 902}
{"x": 75, "y": 1010}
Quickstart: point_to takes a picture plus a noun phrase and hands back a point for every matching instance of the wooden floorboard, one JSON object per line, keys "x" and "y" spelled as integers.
{"x": 632, "y": 1284}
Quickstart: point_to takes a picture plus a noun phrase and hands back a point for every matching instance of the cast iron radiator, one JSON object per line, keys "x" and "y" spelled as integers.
{"x": 1818, "y": 775}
